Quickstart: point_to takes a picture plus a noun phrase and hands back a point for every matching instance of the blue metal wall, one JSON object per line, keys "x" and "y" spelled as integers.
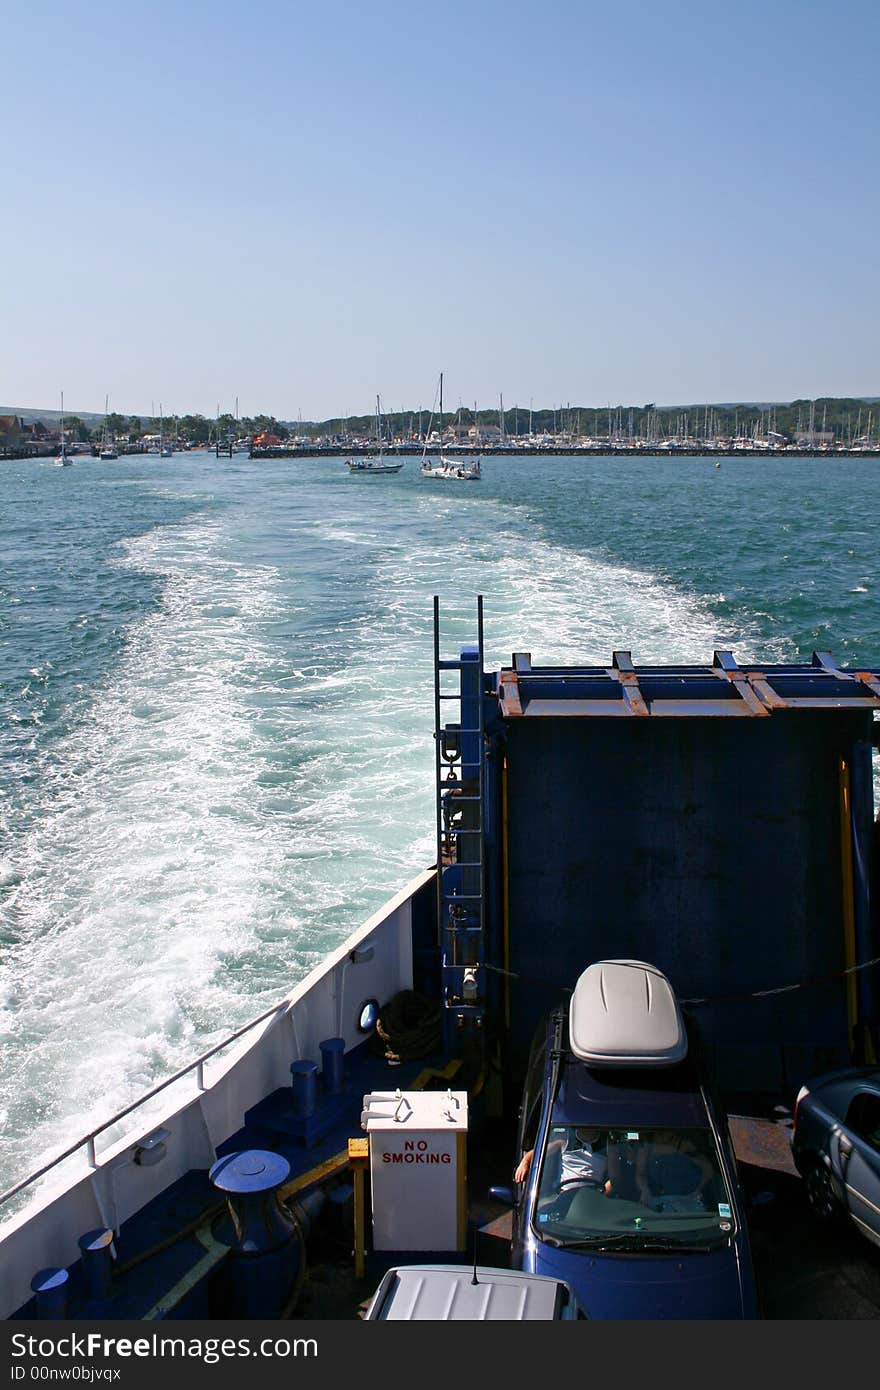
{"x": 710, "y": 847}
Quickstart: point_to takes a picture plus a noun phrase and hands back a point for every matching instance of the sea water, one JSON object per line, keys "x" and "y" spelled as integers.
{"x": 216, "y": 753}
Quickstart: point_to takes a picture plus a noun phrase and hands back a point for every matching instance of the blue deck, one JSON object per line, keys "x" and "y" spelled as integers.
{"x": 158, "y": 1249}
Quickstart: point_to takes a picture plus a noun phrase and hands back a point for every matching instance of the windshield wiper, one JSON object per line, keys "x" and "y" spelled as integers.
{"x": 631, "y": 1240}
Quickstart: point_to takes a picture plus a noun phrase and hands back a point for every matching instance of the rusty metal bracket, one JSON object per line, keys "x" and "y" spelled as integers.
{"x": 764, "y": 690}
{"x": 725, "y": 667}
{"x": 508, "y": 692}
{"x": 867, "y": 678}
{"x": 622, "y": 670}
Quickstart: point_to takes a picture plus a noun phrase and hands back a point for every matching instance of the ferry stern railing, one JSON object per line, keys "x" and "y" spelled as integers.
{"x": 88, "y": 1141}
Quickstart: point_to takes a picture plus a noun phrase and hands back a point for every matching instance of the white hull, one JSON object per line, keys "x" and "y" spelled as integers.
{"x": 452, "y": 472}
{"x": 373, "y": 467}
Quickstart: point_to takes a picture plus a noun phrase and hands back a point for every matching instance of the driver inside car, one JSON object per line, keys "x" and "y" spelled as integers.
{"x": 583, "y": 1157}
{"x": 576, "y": 1155}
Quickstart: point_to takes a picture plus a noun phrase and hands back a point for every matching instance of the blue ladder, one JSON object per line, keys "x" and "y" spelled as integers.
{"x": 461, "y": 819}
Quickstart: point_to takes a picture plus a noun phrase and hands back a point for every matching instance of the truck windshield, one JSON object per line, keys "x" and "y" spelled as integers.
{"x": 632, "y": 1189}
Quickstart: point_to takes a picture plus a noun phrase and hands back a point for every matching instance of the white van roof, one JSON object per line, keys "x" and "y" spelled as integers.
{"x": 625, "y": 1013}
{"x": 447, "y": 1293}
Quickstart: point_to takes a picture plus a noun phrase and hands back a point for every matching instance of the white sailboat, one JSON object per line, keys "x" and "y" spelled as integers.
{"x": 165, "y": 450}
{"x": 379, "y": 464}
{"x": 108, "y": 449}
{"x": 456, "y": 470}
{"x": 64, "y": 460}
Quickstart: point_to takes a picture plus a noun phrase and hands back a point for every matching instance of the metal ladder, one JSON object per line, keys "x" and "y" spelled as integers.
{"x": 461, "y": 818}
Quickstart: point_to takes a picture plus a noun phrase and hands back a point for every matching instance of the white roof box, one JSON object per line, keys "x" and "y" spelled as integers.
{"x": 624, "y": 1013}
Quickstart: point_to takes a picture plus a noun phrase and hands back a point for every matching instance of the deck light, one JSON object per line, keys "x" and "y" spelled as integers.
{"x": 152, "y": 1149}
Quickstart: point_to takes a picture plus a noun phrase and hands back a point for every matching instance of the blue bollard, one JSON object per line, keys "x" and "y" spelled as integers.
{"x": 50, "y": 1286}
{"x": 97, "y": 1262}
{"x": 304, "y": 1079}
{"x": 332, "y": 1058}
{"x": 265, "y": 1247}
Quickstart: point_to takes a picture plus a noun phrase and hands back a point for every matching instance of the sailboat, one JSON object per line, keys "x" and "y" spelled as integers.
{"x": 165, "y": 450}
{"x": 108, "y": 450}
{"x": 447, "y": 468}
{"x": 379, "y": 464}
{"x": 64, "y": 459}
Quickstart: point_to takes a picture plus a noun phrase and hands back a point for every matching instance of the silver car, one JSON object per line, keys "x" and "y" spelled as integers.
{"x": 836, "y": 1146}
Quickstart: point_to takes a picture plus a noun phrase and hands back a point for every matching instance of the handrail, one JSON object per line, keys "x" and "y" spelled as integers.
{"x": 89, "y": 1139}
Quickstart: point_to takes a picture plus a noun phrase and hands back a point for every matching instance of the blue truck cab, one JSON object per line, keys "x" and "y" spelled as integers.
{"x": 628, "y": 1187}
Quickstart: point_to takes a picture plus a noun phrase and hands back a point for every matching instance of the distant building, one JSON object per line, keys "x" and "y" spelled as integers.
{"x": 10, "y": 431}
{"x": 814, "y": 437}
{"x": 485, "y": 434}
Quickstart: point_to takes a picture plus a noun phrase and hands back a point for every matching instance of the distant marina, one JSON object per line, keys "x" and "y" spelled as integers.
{"x": 829, "y": 427}
{"x": 522, "y": 447}
{"x": 597, "y": 448}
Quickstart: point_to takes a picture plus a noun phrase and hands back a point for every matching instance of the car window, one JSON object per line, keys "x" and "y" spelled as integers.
{"x": 646, "y": 1188}
{"x": 863, "y": 1118}
{"x": 533, "y": 1091}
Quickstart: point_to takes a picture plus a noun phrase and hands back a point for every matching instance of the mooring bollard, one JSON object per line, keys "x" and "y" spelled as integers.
{"x": 332, "y": 1060}
{"x": 50, "y": 1287}
{"x": 265, "y": 1246}
{"x": 304, "y": 1079}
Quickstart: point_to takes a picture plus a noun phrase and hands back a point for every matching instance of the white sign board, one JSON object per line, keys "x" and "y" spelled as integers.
{"x": 417, "y": 1169}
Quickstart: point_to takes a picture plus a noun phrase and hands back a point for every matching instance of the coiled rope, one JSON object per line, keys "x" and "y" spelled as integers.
{"x": 409, "y": 1025}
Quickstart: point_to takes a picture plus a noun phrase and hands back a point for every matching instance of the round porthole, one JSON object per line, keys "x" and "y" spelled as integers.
{"x": 368, "y": 1016}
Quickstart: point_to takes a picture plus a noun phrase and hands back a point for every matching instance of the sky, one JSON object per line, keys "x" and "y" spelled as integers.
{"x": 302, "y": 205}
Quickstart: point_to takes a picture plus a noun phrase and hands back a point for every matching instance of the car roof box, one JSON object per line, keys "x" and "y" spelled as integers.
{"x": 625, "y": 1013}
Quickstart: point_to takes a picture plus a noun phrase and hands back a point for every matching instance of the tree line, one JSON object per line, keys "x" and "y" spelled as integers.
{"x": 846, "y": 418}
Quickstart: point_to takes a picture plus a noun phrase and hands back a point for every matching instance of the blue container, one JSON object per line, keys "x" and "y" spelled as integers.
{"x": 304, "y": 1079}
{"x": 265, "y": 1248}
{"x": 50, "y": 1287}
{"x": 332, "y": 1060}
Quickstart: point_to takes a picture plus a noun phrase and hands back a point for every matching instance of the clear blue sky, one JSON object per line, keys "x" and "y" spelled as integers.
{"x": 304, "y": 204}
